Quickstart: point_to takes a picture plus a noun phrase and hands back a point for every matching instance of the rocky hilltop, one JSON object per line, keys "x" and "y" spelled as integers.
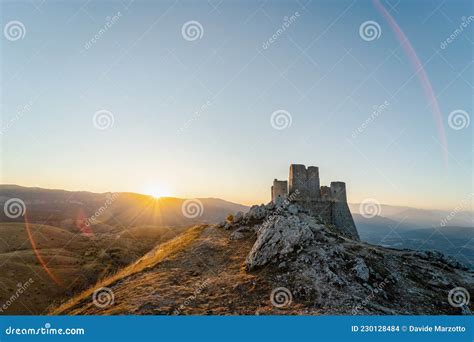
{"x": 348, "y": 276}
{"x": 280, "y": 259}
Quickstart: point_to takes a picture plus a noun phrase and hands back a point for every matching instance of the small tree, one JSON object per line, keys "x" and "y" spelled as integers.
{"x": 230, "y": 218}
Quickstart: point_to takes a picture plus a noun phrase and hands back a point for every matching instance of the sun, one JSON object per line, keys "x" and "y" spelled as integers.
{"x": 157, "y": 191}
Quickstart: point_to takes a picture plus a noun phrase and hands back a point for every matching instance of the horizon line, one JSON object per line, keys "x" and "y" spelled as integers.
{"x": 185, "y": 198}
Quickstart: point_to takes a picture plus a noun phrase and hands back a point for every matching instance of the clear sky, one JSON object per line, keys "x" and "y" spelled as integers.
{"x": 192, "y": 113}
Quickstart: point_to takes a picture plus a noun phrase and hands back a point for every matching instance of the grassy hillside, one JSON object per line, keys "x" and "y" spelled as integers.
{"x": 77, "y": 238}
{"x": 148, "y": 261}
{"x": 62, "y": 262}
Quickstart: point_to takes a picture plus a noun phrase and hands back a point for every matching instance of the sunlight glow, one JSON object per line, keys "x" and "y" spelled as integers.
{"x": 157, "y": 191}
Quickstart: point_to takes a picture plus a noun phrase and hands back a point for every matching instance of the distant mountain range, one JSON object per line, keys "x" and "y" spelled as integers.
{"x": 71, "y": 209}
{"x": 457, "y": 242}
{"x": 421, "y": 218}
{"x": 137, "y": 209}
{"x": 396, "y": 227}
{"x": 420, "y": 229}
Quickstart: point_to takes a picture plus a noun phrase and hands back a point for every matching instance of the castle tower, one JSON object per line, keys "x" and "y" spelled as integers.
{"x": 298, "y": 181}
{"x": 341, "y": 215}
{"x": 338, "y": 192}
{"x": 328, "y": 203}
{"x": 312, "y": 183}
{"x": 279, "y": 190}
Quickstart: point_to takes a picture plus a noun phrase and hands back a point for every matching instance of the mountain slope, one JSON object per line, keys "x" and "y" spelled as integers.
{"x": 56, "y": 263}
{"x": 422, "y": 218}
{"x": 278, "y": 261}
{"x": 72, "y": 209}
{"x": 457, "y": 242}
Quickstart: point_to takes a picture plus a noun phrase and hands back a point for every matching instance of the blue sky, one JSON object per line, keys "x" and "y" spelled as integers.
{"x": 192, "y": 117}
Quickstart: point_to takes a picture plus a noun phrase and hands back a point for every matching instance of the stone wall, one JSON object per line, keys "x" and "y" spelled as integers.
{"x": 321, "y": 209}
{"x": 325, "y": 193}
{"x": 342, "y": 220}
{"x": 336, "y": 214}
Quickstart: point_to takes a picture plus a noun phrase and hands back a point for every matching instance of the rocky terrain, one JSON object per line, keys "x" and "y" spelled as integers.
{"x": 345, "y": 276}
{"x": 280, "y": 260}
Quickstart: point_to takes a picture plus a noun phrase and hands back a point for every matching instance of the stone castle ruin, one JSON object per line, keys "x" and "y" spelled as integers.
{"x": 328, "y": 203}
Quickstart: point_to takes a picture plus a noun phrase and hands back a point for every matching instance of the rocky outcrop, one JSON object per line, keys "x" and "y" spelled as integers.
{"x": 279, "y": 237}
{"x": 325, "y": 269}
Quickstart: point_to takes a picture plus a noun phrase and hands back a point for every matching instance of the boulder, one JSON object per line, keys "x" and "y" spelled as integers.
{"x": 293, "y": 209}
{"x": 238, "y": 217}
{"x": 361, "y": 270}
{"x": 236, "y": 235}
{"x": 256, "y": 212}
{"x": 277, "y": 238}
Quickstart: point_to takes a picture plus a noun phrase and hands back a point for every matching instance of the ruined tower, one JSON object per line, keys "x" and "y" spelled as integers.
{"x": 341, "y": 214}
{"x": 305, "y": 181}
{"x": 312, "y": 182}
{"x": 279, "y": 190}
{"x": 338, "y": 191}
{"x": 327, "y": 203}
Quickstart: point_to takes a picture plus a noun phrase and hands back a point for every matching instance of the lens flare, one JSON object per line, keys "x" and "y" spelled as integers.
{"x": 40, "y": 259}
{"x": 420, "y": 72}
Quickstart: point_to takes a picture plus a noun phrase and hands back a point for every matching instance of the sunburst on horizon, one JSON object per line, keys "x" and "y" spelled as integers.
{"x": 157, "y": 191}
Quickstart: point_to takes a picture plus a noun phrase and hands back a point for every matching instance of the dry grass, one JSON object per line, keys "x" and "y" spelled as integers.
{"x": 199, "y": 273}
{"x": 148, "y": 261}
{"x": 76, "y": 261}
